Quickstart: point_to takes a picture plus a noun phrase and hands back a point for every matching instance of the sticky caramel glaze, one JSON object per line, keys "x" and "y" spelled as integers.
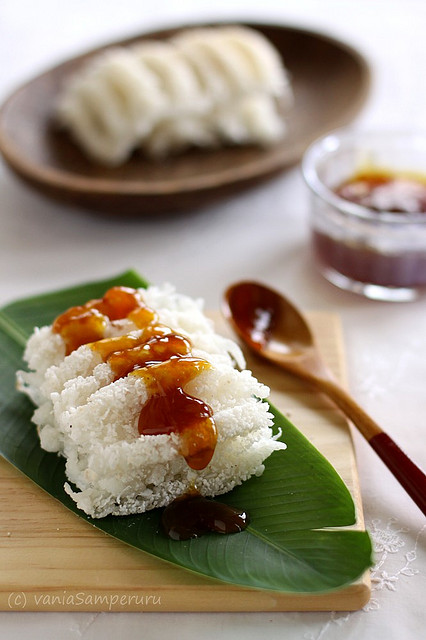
{"x": 153, "y": 344}
{"x": 191, "y": 516}
{"x": 171, "y": 410}
{"x": 155, "y": 354}
{"x": 157, "y": 349}
{"x": 80, "y": 325}
{"x": 88, "y": 322}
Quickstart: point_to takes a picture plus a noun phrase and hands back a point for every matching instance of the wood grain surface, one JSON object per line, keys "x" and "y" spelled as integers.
{"x": 50, "y": 559}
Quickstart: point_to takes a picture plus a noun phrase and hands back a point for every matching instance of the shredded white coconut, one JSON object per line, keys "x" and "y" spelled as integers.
{"x": 85, "y": 415}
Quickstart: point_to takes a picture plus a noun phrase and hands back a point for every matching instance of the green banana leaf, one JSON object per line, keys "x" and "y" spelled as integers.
{"x": 297, "y": 540}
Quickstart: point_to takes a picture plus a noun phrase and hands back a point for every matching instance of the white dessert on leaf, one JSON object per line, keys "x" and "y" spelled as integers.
{"x": 90, "y": 411}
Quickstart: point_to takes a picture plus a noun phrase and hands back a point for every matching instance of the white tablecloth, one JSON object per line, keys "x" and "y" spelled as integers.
{"x": 261, "y": 234}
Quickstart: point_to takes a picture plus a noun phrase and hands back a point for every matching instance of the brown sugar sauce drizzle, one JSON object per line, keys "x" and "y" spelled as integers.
{"x": 161, "y": 358}
{"x": 88, "y": 322}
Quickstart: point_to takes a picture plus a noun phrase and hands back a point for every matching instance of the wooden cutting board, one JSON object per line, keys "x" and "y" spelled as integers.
{"x": 50, "y": 559}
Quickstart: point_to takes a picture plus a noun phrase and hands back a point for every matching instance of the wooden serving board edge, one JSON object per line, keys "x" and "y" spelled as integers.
{"x": 52, "y": 560}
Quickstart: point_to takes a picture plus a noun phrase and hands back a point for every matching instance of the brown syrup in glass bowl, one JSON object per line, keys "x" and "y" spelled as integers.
{"x": 380, "y": 192}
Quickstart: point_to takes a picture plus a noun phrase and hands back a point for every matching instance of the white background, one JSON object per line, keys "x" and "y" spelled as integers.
{"x": 261, "y": 234}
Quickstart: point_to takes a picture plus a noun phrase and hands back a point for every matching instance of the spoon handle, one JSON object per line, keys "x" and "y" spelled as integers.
{"x": 409, "y": 475}
{"x": 405, "y": 471}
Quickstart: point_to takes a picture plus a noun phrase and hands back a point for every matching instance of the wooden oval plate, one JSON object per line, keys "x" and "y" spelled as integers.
{"x": 330, "y": 82}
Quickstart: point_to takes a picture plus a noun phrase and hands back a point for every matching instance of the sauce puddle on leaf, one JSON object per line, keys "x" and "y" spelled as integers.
{"x": 192, "y": 515}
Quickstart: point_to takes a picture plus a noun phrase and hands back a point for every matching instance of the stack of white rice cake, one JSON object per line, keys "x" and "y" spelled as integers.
{"x": 204, "y": 88}
{"x": 88, "y": 415}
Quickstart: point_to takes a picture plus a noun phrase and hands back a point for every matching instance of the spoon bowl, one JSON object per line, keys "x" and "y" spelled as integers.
{"x": 274, "y": 329}
{"x": 268, "y": 323}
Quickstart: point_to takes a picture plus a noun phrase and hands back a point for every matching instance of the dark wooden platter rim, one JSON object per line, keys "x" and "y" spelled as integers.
{"x": 330, "y": 81}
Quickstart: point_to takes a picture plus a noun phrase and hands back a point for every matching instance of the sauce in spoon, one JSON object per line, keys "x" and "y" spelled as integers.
{"x": 286, "y": 340}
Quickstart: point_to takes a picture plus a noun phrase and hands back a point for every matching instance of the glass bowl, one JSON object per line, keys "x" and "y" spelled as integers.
{"x": 376, "y": 251}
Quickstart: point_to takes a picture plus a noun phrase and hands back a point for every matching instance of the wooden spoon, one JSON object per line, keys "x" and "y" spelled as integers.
{"x": 274, "y": 329}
